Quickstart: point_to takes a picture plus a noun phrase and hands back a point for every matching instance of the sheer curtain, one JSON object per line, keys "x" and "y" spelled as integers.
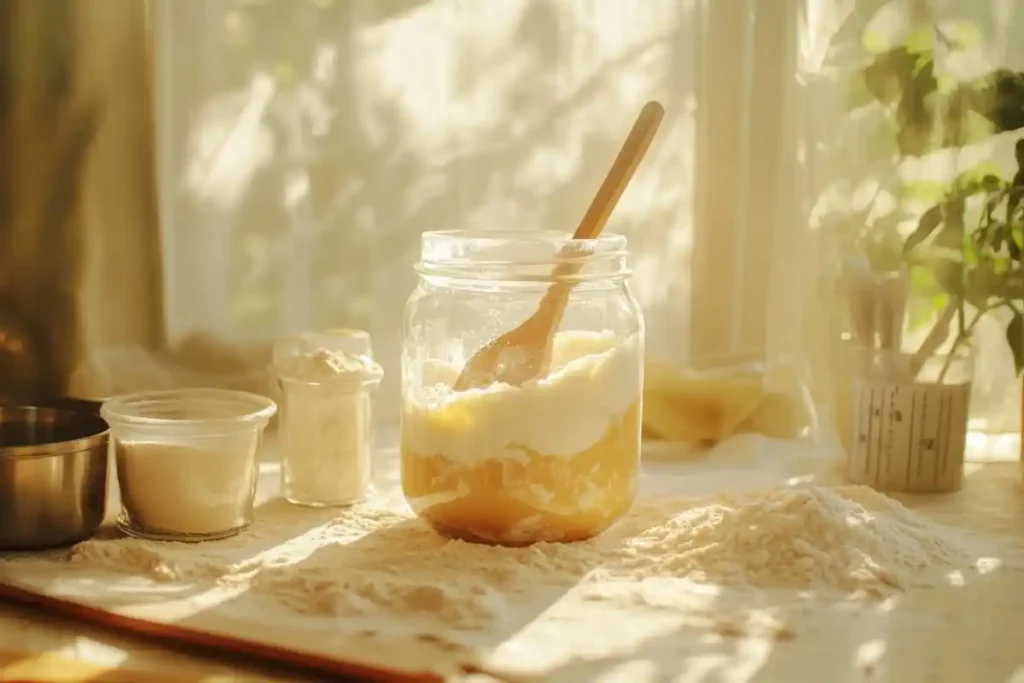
{"x": 304, "y": 145}
{"x": 79, "y": 259}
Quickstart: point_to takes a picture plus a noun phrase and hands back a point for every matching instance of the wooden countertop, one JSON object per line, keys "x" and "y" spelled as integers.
{"x": 41, "y": 647}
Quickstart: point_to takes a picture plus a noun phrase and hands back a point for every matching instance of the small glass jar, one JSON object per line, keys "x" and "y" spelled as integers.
{"x": 186, "y": 461}
{"x": 325, "y": 429}
{"x": 556, "y": 459}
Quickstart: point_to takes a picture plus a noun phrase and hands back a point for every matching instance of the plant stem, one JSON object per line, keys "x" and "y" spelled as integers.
{"x": 962, "y": 336}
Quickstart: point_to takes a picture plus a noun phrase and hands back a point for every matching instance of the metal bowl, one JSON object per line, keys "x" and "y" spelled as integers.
{"x": 78, "y": 405}
{"x": 53, "y": 476}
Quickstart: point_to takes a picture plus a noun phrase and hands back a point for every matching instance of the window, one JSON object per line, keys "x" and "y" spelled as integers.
{"x": 304, "y": 145}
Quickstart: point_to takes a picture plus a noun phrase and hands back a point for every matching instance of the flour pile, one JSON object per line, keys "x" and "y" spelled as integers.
{"x": 373, "y": 562}
{"x": 845, "y": 538}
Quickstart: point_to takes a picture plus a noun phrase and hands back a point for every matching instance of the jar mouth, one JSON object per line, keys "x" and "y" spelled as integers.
{"x": 526, "y": 255}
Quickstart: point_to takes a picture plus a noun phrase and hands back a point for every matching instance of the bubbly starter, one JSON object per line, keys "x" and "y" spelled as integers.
{"x": 555, "y": 459}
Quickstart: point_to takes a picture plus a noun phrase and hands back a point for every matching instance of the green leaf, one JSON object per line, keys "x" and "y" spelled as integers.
{"x": 1015, "y": 338}
{"x": 930, "y": 220}
{"x": 923, "y": 283}
{"x": 988, "y": 225}
{"x": 874, "y": 42}
{"x": 1013, "y": 242}
{"x": 945, "y": 84}
{"x": 850, "y": 39}
{"x": 976, "y": 128}
{"x": 998, "y": 98}
{"x": 984, "y": 284}
{"x": 963, "y": 34}
{"x": 971, "y": 113}
{"x": 945, "y": 265}
{"x": 1013, "y": 199}
{"x": 950, "y": 276}
{"x": 927, "y": 298}
{"x": 1002, "y": 236}
{"x": 984, "y": 176}
{"x": 919, "y": 40}
{"x": 857, "y": 93}
{"x": 1013, "y": 287}
{"x": 951, "y": 236}
{"x": 882, "y": 77}
{"x": 930, "y": 191}
{"x": 882, "y": 144}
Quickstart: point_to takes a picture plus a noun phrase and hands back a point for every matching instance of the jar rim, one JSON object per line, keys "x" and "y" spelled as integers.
{"x": 206, "y": 408}
{"x": 522, "y": 255}
{"x": 462, "y": 245}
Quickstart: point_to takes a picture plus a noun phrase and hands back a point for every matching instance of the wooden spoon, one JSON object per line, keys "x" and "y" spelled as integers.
{"x": 524, "y": 353}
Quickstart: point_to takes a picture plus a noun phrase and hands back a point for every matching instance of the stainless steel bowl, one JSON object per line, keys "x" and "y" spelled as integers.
{"x": 53, "y": 476}
{"x": 79, "y": 405}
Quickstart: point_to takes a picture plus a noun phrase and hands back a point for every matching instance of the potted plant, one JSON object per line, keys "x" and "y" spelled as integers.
{"x": 945, "y": 252}
{"x": 910, "y": 425}
{"x": 975, "y": 257}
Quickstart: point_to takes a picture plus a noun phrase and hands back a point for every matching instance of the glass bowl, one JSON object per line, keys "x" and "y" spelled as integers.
{"x": 186, "y": 460}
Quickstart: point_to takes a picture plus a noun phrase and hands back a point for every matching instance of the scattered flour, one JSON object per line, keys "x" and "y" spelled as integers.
{"x": 374, "y": 562}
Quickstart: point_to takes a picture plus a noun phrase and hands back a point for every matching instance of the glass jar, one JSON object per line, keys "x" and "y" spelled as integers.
{"x": 325, "y": 427}
{"x": 555, "y": 459}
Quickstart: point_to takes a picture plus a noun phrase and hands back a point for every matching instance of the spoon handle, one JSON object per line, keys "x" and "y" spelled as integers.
{"x": 601, "y": 206}
{"x": 621, "y": 172}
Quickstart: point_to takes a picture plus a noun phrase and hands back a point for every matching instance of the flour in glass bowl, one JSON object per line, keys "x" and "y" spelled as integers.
{"x": 187, "y": 488}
